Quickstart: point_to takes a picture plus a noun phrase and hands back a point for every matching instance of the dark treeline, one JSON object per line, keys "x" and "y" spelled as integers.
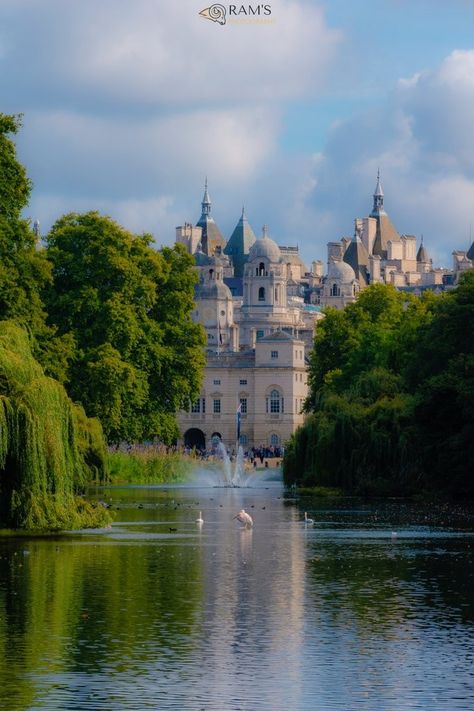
{"x": 97, "y": 346}
{"x": 391, "y": 403}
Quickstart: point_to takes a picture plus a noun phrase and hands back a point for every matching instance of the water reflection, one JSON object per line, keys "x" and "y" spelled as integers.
{"x": 160, "y": 613}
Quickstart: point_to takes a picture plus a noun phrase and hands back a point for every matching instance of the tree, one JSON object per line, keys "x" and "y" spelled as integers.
{"x": 360, "y": 436}
{"x": 127, "y": 308}
{"x": 392, "y": 393}
{"x": 48, "y": 448}
{"x": 23, "y": 269}
{"x": 442, "y": 373}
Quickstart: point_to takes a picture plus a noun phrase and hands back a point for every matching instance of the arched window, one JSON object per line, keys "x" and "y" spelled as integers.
{"x": 261, "y": 294}
{"x": 275, "y": 403}
{"x": 335, "y": 291}
{"x": 261, "y": 269}
{"x": 274, "y": 440}
{"x": 211, "y": 273}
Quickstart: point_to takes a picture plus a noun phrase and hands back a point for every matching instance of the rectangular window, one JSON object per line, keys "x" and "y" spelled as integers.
{"x": 243, "y": 382}
{"x": 243, "y": 405}
{"x": 274, "y": 354}
{"x": 204, "y": 406}
{"x": 260, "y": 334}
{"x": 217, "y": 382}
{"x": 196, "y": 406}
{"x": 217, "y": 407}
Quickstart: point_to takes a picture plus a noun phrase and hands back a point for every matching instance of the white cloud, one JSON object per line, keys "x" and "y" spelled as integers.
{"x": 130, "y": 103}
{"x": 145, "y": 54}
{"x": 421, "y": 138}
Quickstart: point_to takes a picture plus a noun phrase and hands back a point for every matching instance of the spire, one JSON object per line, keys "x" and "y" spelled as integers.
{"x": 212, "y": 240}
{"x": 378, "y": 198}
{"x": 422, "y": 255}
{"x": 239, "y": 244}
{"x": 206, "y": 201}
{"x": 264, "y": 232}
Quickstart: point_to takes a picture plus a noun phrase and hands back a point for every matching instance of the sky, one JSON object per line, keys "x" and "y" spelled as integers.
{"x": 129, "y": 104}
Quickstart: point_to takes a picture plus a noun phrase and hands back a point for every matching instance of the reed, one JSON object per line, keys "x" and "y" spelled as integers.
{"x": 149, "y": 466}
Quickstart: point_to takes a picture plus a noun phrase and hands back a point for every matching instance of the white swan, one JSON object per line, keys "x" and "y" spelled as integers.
{"x": 200, "y": 520}
{"x": 308, "y": 521}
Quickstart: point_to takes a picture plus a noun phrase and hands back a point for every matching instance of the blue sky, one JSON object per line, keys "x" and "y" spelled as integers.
{"x": 128, "y": 104}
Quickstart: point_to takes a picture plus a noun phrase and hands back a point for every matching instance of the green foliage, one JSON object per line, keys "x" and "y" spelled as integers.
{"x": 24, "y": 268}
{"x": 46, "y": 444}
{"x": 148, "y": 467}
{"x": 442, "y": 373}
{"x": 126, "y": 308}
{"x": 15, "y": 186}
{"x": 392, "y": 396}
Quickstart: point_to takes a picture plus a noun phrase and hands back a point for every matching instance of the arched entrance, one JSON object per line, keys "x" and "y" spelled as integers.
{"x": 194, "y": 438}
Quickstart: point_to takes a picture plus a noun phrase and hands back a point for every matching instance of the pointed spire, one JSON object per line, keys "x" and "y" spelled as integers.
{"x": 378, "y": 187}
{"x": 378, "y": 207}
{"x": 239, "y": 244}
{"x": 206, "y": 201}
{"x": 422, "y": 255}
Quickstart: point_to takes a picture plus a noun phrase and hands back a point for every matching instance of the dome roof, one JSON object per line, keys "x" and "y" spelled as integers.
{"x": 341, "y": 271}
{"x": 214, "y": 289}
{"x": 201, "y": 259}
{"x": 265, "y": 247}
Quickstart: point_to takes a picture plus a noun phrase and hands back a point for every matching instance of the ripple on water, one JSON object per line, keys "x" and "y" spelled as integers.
{"x": 336, "y": 616}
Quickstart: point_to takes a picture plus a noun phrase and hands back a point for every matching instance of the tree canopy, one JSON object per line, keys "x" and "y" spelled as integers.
{"x": 137, "y": 355}
{"x": 24, "y": 270}
{"x": 391, "y": 395}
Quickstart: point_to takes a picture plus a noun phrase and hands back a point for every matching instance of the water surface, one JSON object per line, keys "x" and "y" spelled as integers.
{"x": 158, "y": 613}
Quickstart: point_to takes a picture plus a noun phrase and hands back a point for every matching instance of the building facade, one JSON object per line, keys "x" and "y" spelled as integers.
{"x": 250, "y": 302}
{"x": 259, "y": 306}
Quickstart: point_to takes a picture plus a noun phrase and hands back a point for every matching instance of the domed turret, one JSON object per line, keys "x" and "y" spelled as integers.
{"x": 265, "y": 248}
{"x": 341, "y": 271}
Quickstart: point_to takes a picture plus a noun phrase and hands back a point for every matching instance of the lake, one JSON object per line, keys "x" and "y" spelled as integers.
{"x": 371, "y": 607}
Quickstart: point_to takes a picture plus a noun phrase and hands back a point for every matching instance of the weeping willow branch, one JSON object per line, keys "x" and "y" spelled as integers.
{"x": 48, "y": 447}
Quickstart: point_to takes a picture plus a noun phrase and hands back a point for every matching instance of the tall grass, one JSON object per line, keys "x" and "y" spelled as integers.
{"x": 149, "y": 466}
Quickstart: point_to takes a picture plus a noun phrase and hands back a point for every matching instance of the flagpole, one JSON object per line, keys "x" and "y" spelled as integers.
{"x": 239, "y": 412}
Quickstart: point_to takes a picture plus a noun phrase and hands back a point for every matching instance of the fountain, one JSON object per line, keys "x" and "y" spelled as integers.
{"x": 233, "y": 476}
{"x": 230, "y": 473}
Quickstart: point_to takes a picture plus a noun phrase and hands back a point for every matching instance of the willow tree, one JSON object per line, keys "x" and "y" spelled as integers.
{"x": 361, "y": 435}
{"x": 48, "y": 448}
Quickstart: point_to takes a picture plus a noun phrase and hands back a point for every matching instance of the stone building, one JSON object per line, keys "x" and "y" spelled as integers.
{"x": 377, "y": 253}
{"x": 259, "y": 306}
{"x": 269, "y": 385}
{"x": 259, "y": 329}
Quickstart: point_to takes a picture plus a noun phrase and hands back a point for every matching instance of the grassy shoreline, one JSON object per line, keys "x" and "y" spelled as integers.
{"x": 149, "y": 466}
